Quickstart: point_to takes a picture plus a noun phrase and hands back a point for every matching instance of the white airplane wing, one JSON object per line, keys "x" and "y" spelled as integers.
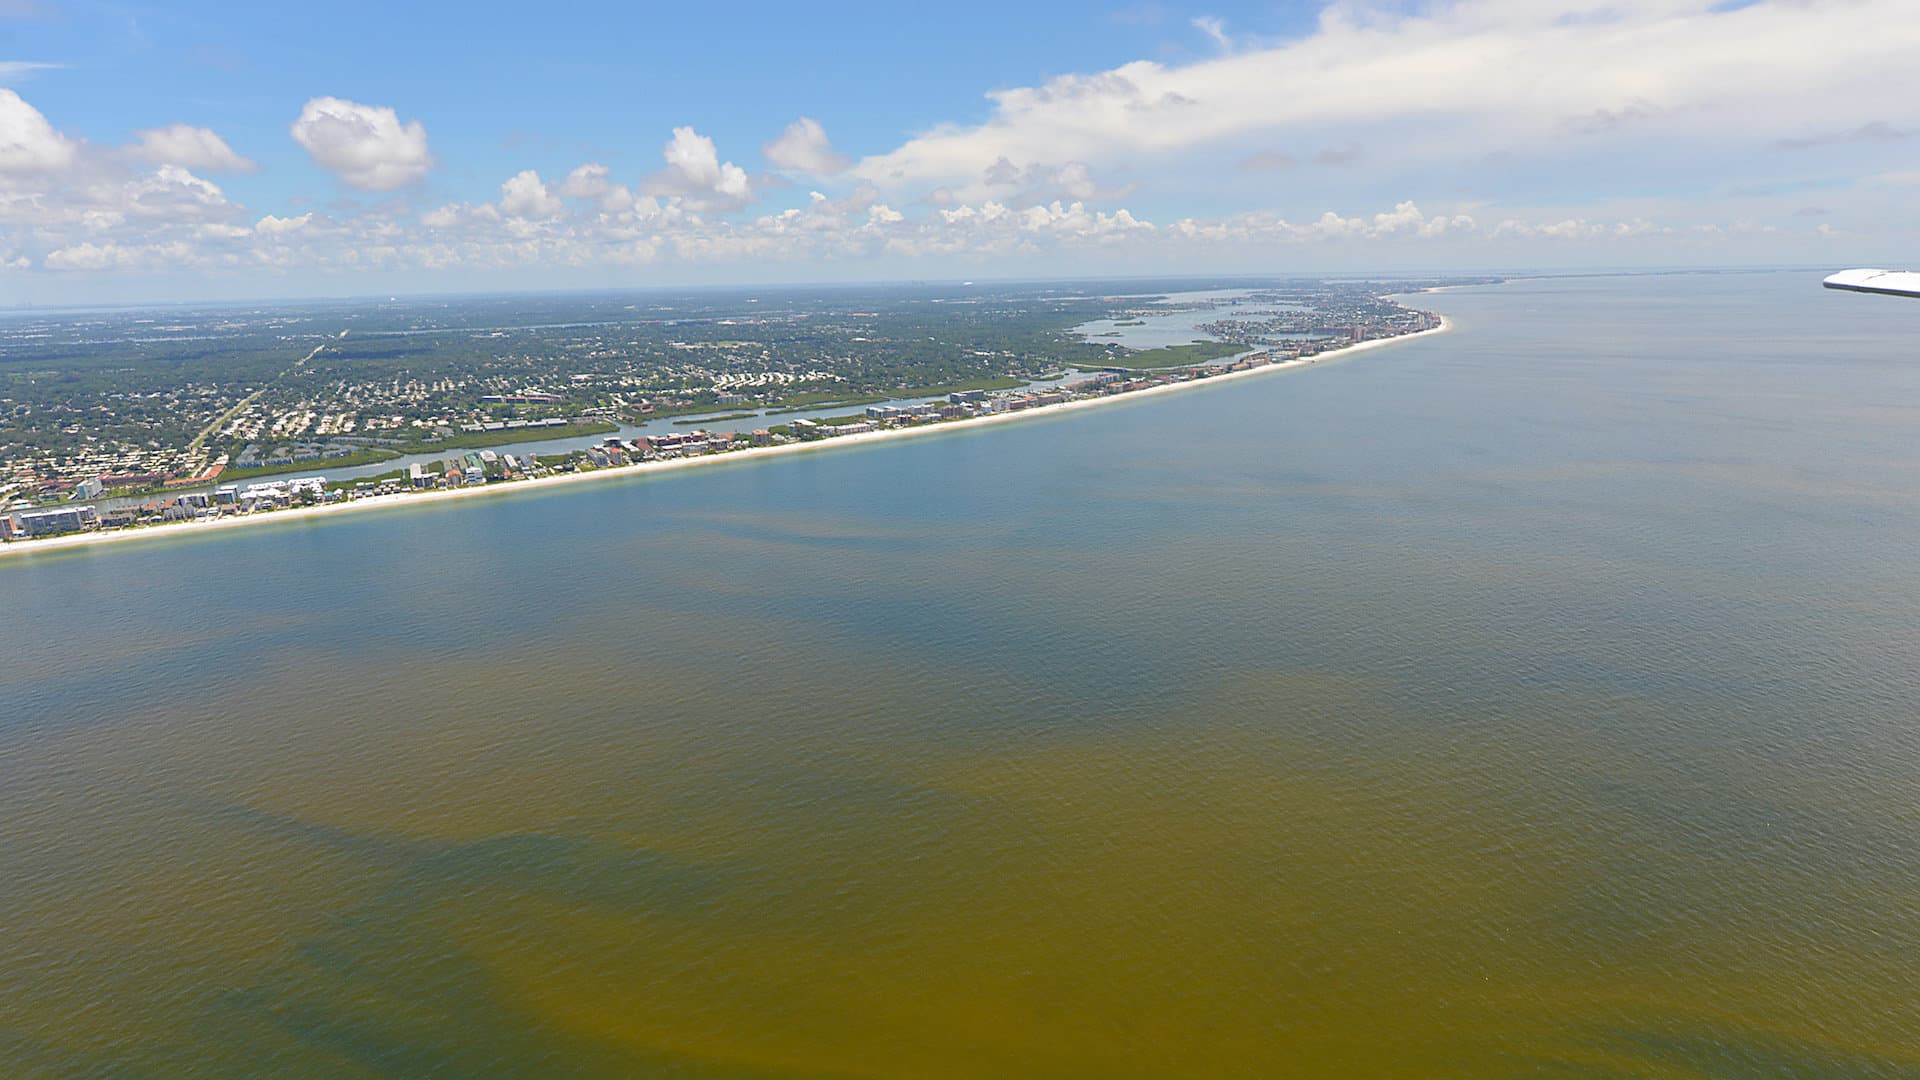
{"x": 1889, "y": 282}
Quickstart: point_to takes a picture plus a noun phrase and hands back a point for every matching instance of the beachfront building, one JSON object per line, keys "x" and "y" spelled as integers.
{"x": 281, "y": 491}
{"x": 52, "y": 522}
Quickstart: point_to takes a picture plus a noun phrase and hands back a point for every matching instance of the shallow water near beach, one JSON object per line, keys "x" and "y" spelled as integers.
{"x": 1534, "y": 699}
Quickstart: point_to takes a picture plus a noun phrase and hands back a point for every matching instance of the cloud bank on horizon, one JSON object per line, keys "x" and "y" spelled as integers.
{"x": 1456, "y": 134}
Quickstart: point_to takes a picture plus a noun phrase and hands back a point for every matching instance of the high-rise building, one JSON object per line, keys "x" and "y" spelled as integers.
{"x": 64, "y": 520}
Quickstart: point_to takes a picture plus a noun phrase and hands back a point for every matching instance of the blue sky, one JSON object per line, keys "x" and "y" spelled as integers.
{"x": 201, "y": 150}
{"x": 503, "y": 88}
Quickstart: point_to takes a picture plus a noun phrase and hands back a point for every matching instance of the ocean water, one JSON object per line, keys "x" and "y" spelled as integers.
{"x": 1539, "y": 699}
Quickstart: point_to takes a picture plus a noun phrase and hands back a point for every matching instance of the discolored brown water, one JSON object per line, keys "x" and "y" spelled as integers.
{"x": 1538, "y": 700}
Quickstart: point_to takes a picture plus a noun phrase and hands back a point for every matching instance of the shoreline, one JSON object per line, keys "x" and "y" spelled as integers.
{"x": 180, "y": 529}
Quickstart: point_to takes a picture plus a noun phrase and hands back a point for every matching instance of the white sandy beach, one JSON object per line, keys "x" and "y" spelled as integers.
{"x": 413, "y": 499}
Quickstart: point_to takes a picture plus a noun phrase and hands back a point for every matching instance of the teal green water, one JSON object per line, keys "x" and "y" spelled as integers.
{"x": 1535, "y": 700}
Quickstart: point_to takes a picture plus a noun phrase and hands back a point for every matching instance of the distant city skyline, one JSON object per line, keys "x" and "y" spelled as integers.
{"x": 204, "y": 151}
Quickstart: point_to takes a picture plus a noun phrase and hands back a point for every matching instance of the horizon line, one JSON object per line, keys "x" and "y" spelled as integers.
{"x": 1505, "y": 274}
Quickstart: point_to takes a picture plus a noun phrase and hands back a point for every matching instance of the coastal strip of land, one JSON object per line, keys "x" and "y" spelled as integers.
{"x": 408, "y": 499}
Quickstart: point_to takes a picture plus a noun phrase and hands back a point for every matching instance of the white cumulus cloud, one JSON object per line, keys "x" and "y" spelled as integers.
{"x": 804, "y": 148}
{"x": 190, "y": 148}
{"x": 1469, "y": 84}
{"x": 270, "y": 225}
{"x": 587, "y": 182}
{"x": 365, "y": 145}
{"x": 525, "y": 195}
{"x": 110, "y": 256}
{"x": 590, "y": 181}
{"x": 28, "y": 144}
{"x": 171, "y": 193}
{"x": 695, "y": 173}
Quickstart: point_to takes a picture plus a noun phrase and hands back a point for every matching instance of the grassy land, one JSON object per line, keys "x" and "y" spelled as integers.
{"x": 1178, "y": 355}
{"x": 837, "y": 421}
{"x": 814, "y": 399}
{"x": 808, "y": 402}
{"x": 348, "y": 485}
{"x": 370, "y": 456}
{"x": 716, "y": 419}
{"x": 1003, "y": 382}
{"x": 792, "y": 405}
